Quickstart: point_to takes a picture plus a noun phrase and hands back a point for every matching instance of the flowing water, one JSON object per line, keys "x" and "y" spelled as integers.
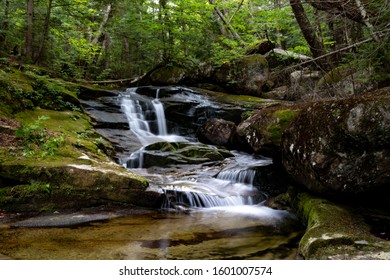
{"x": 209, "y": 211}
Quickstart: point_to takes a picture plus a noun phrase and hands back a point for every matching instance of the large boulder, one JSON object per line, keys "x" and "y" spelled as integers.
{"x": 70, "y": 184}
{"x": 246, "y": 75}
{"x": 341, "y": 146}
{"x": 263, "y": 130}
{"x": 167, "y": 75}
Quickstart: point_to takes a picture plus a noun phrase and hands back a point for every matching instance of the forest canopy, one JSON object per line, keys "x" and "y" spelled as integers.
{"x": 113, "y": 39}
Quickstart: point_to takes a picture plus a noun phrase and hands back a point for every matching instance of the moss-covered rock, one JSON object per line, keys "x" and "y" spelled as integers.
{"x": 78, "y": 173}
{"x": 336, "y": 232}
{"x": 245, "y": 76}
{"x": 57, "y": 185}
{"x": 167, "y": 153}
{"x": 263, "y": 130}
{"x": 50, "y": 156}
{"x": 167, "y": 75}
{"x": 279, "y": 58}
{"x": 260, "y": 47}
{"x": 341, "y": 146}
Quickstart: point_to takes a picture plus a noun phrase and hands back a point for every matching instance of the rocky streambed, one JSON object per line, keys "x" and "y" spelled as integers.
{"x": 330, "y": 167}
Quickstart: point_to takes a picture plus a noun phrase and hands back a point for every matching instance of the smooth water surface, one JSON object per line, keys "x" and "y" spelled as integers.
{"x": 218, "y": 233}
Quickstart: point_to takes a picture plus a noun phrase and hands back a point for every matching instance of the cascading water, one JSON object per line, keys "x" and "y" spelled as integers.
{"x": 160, "y": 115}
{"x": 232, "y": 186}
{"x": 217, "y": 212}
{"x": 146, "y": 117}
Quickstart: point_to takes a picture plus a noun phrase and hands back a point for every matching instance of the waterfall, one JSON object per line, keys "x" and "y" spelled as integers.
{"x": 160, "y": 115}
{"x": 146, "y": 117}
{"x": 189, "y": 199}
{"x": 238, "y": 175}
{"x": 231, "y": 187}
{"x": 136, "y": 117}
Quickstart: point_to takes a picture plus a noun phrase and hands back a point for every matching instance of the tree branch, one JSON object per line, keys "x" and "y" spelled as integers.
{"x": 379, "y": 35}
{"x": 235, "y": 12}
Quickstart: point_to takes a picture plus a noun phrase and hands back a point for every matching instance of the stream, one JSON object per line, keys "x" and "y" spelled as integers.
{"x": 210, "y": 210}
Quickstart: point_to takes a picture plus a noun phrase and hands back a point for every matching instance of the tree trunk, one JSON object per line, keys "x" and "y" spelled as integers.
{"x": 366, "y": 20}
{"x": 226, "y": 23}
{"x": 347, "y": 8}
{"x": 163, "y": 18}
{"x": 315, "y": 45}
{"x": 45, "y": 32}
{"x": 28, "y": 47}
{"x": 100, "y": 32}
{"x": 280, "y": 33}
{"x": 4, "y": 27}
{"x": 235, "y": 12}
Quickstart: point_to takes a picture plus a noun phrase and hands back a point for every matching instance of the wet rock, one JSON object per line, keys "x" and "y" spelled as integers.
{"x": 217, "y": 132}
{"x": 164, "y": 154}
{"x": 71, "y": 185}
{"x": 263, "y": 130}
{"x": 336, "y": 232}
{"x": 108, "y": 119}
{"x": 63, "y": 220}
{"x": 341, "y": 146}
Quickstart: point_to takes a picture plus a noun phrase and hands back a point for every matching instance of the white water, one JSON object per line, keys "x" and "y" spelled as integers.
{"x": 232, "y": 186}
{"x": 143, "y": 112}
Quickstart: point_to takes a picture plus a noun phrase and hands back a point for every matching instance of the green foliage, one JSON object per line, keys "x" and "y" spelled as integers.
{"x": 37, "y": 140}
{"x": 38, "y": 187}
{"x": 48, "y": 94}
{"x": 82, "y": 41}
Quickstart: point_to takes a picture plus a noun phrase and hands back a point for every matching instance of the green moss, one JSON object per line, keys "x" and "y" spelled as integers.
{"x": 168, "y": 75}
{"x": 282, "y": 119}
{"x": 39, "y": 175}
{"x": 336, "y": 75}
{"x": 330, "y": 228}
{"x": 245, "y": 101}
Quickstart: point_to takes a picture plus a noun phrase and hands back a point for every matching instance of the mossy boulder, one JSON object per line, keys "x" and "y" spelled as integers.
{"x": 52, "y": 186}
{"x": 336, "y": 232}
{"x": 76, "y": 173}
{"x": 21, "y": 90}
{"x": 263, "y": 130}
{"x": 341, "y": 147}
{"x": 344, "y": 81}
{"x": 168, "y": 153}
{"x": 245, "y": 76}
{"x": 167, "y": 75}
{"x": 51, "y": 157}
{"x": 260, "y": 47}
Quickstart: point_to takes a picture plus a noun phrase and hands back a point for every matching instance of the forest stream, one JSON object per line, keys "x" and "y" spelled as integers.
{"x": 209, "y": 210}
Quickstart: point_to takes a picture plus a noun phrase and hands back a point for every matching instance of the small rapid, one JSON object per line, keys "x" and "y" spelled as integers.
{"x": 222, "y": 187}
